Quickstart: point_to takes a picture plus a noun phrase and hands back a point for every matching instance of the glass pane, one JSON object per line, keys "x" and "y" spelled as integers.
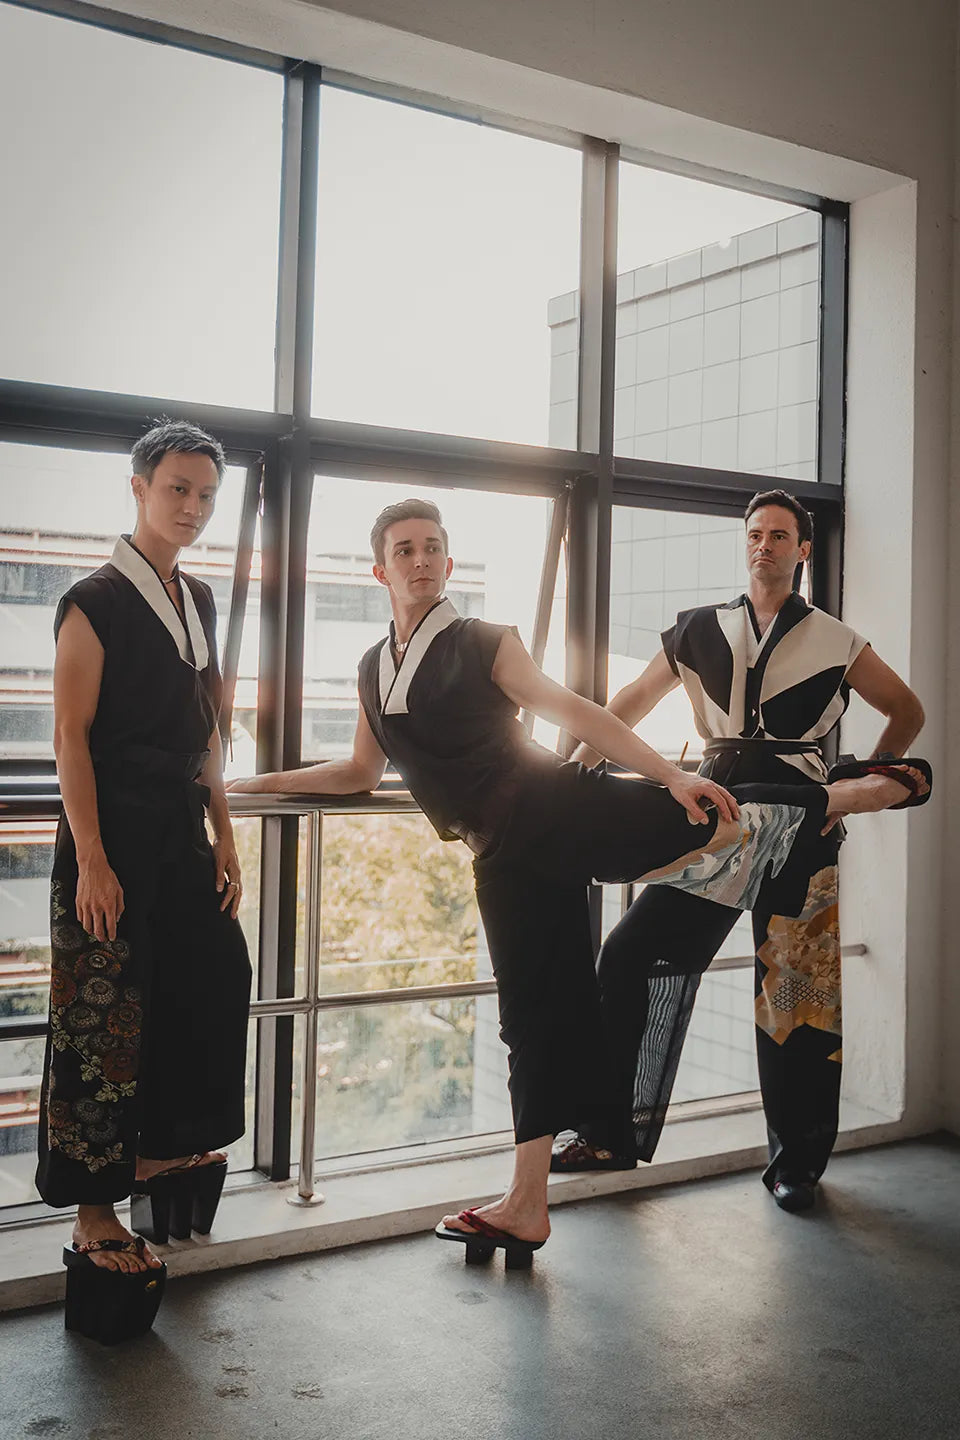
{"x": 663, "y": 562}
{"x": 720, "y": 1056}
{"x": 718, "y": 324}
{"x": 212, "y": 559}
{"x": 440, "y": 244}
{"x": 62, "y": 512}
{"x": 26, "y": 858}
{"x": 497, "y": 542}
{"x": 139, "y": 252}
{"x": 398, "y": 906}
{"x": 240, "y": 1153}
{"x": 247, "y": 833}
{"x": 21, "y": 1071}
{"x": 406, "y": 1074}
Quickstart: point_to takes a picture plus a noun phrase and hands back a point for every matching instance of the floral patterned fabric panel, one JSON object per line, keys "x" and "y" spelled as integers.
{"x": 96, "y": 1017}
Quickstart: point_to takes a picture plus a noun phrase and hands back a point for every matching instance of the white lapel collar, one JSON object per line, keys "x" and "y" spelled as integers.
{"x": 142, "y": 576}
{"x": 757, "y": 647}
{"x": 734, "y": 620}
{"x": 387, "y": 669}
{"x": 394, "y": 687}
{"x": 783, "y": 656}
{"x": 198, "y": 641}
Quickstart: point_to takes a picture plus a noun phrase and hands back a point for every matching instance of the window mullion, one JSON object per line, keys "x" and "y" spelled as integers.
{"x": 833, "y": 342}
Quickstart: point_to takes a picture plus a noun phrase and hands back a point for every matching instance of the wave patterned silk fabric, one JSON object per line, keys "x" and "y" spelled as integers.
{"x": 733, "y": 874}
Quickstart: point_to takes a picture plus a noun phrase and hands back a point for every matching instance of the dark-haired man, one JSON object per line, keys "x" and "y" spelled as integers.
{"x": 439, "y": 696}
{"x": 768, "y": 677}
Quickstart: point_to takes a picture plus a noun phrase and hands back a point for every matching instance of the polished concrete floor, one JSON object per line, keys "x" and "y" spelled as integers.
{"x": 698, "y": 1312}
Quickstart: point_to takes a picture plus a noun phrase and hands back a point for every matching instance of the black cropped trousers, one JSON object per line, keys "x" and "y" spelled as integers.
{"x": 569, "y": 826}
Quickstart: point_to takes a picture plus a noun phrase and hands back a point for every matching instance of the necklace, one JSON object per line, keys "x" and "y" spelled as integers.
{"x": 400, "y": 646}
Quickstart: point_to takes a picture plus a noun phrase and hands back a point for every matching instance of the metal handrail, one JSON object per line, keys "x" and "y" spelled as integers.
{"x": 42, "y": 802}
{"x": 306, "y": 1194}
{"x": 39, "y": 799}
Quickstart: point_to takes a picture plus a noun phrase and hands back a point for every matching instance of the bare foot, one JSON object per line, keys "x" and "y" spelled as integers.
{"x": 98, "y": 1222}
{"x": 525, "y": 1221}
{"x": 871, "y": 793}
{"x": 146, "y": 1169}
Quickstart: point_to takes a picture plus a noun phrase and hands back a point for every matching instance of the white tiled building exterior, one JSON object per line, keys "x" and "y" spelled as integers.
{"x": 716, "y": 355}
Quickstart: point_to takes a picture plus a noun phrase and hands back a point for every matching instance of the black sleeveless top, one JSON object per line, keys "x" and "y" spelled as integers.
{"x": 161, "y": 684}
{"x": 452, "y": 733}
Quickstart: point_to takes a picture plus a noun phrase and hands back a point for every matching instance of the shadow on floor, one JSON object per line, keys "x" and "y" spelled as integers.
{"x": 694, "y": 1312}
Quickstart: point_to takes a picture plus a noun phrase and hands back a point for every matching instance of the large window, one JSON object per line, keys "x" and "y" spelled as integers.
{"x": 379, "y": 300}
{"x": 138, "y": 249}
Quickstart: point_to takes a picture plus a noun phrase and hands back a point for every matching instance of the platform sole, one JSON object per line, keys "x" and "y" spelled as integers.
{"x": 110, "y": 1306}
{"x": 480, "y": 1249}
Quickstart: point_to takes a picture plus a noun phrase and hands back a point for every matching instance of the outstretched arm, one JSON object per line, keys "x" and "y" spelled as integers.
{"x": 882, "y": 688}
{"x": 362, "y": 772}
{"x": 636, "y": 700}
{"x": 525, "y": 684}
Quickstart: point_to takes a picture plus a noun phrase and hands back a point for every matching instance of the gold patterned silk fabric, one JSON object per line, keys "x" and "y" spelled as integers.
{"x": 802, "y": 959}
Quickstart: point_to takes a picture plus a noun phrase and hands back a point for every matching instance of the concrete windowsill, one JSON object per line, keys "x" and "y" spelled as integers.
{"x": 258, "y": 1223}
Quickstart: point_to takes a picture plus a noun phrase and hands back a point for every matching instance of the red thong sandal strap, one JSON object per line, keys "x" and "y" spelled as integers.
{"x": 899, "y": 773}
{"x": 190, "y": 1163}
{"x": 481, "y": 1226}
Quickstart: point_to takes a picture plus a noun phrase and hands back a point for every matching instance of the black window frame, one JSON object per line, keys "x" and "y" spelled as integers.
{"x": 282, "y": 451}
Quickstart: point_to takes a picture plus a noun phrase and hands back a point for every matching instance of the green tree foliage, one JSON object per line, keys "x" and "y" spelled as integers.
{"x": 398, "y": 909}
{"x": 393, "y": 892}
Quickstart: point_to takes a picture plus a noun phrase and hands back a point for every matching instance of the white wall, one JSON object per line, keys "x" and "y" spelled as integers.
{"x": 852, "y": 101}
{"x": 951, "y": 969}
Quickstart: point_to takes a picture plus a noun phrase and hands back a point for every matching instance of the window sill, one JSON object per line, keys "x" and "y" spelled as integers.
{"x": 257, "y": 1223}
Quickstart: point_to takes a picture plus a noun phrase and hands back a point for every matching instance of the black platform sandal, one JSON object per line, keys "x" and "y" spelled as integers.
{"x": 110, "y": 1305}
{"x": 207, "y": 1189}
{"x": 850, "y": 768}
{"x": 483, "y": 1239}
{"x": 177, "y": 1201}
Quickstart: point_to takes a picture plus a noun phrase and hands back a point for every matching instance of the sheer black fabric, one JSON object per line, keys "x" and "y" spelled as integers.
{"x": 649, "y": 971}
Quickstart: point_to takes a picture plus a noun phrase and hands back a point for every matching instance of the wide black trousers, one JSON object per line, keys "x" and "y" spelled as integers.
{"x": 649, "y": 973}
{"x": 571, "y": 825}
{"x": 147, "y": 1042}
